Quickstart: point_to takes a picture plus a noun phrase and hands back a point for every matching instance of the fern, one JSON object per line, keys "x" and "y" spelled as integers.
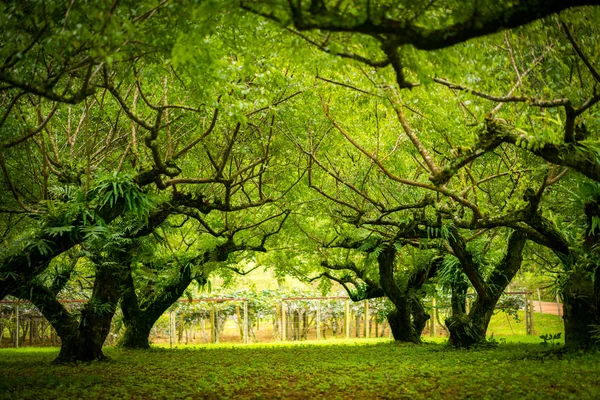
{"x": 95, "y": 232}
{"x": 55, "y": 231}
{"x": 42, "y": 246}
{"x": 368, "y": 244}
{"x": 116, "y": 187}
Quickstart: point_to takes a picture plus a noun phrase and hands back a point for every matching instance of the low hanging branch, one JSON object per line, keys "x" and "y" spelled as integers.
{"x": 12, "y": 188}
{"x": 577, "y": 156}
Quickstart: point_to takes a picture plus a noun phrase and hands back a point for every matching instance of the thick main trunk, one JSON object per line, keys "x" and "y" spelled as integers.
{"x": 419, "y": 316}
{"x": 85, "y": 344}
{"x": 470, "y": 329}
{"x": 459, "y": 300}
{"x": 581, "y": 312}
{"x": 399, "y": 319}
{"x": 80, "y": 347}
{"x": 137, "y": 332}
{"x": 581, "y": 291}
{"x": 140, "y": 318}
{"x": 402, "y": 331}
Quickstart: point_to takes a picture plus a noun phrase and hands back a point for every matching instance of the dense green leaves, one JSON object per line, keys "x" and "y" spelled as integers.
{"x": 193, "y": 135}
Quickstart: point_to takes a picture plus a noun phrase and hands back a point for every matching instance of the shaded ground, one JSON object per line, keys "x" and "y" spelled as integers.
{"x": 368, "y": 370}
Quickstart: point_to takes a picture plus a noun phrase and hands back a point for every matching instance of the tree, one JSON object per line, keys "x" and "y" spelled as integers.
{"x": 155, "y": 294}
{"x": 138, "y": 155}
{"x": 404, "y": 288}
{"x": 392, "y": 34}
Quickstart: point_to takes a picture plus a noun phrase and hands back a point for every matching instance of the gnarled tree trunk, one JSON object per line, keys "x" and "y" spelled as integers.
{"x": 581, "y": 312}
{"x": 140, "y": 317}
{"x": 469, "y": 329}
{"x": 419, "y": 316}
{"x": 459, "y": 299}
{"x": 399, "y": 319}
{"x": 85, "y": 342}
{"x": 402, "y": 329}
{"x": 581, "y": 290}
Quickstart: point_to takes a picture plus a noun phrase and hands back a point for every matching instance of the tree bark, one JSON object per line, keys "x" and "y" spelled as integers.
{"x": 459, "y": 300}
{"x": 581, "y": 290}
{"x": 80, "y": 340}
{"x": 419, "y": 316}
{"x": 470, "y": 329}
{"x": 399, "y": 319}
{"x": 467, "y": 330}
{"x": 140, "y": 318}
{"x": 85, "y": 343}
{"x": 580, "y": 312}
{"x": 402, "y": 330}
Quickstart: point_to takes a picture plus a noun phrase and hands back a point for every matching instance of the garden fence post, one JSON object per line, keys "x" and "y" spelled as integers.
{"x": 366, "y": 318}
{"x": 171, "y": 317}
{"x": 318, "y": 319}
{"x": 558, "y": 306}
{"x": 433, "y": 316}
{"x": 213, "y": 323}
{"x": 17, "y": 338}
{"x": 347, "y": 315}
{"x": 526, "y": 315}
{"x": 540, "y": 301}
{"x": 531, "y": 315}
{"x": 283, "y": 322}
{"x": 246, "y": 321}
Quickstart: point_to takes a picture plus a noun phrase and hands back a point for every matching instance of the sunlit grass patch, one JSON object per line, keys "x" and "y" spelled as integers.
{"x": 334, "y": 369}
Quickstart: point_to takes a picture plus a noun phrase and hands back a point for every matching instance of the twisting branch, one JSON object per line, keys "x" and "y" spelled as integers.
{"x": 347, "y": 86}
{"x": 10, "y": 106}
{"x": 577, "y": 156}
{"x": 344, "y": 54}
{"x": 571, "y": 112}
{"x": 12, "y": 188}
{"x": 240, "y": 272}
{"x": 481, "y": 22}
{"x": 339, "y": 179}
{"x": 487, "y": 142}
{"x": 579, "y": 52}
{"x": 350, "y": 266}
{"x": 194, "y": 142}
{"x": 444, "y": 191}
{"x": 429, "y": 161}
{"x": 505, "y": 99}
{"x": 76, "y": 98}
{"x": 469, "y": 266}
{"x": 32, "y": 132}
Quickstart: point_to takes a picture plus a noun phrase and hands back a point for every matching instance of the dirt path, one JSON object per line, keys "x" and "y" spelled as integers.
{"x": 548, "y": 307}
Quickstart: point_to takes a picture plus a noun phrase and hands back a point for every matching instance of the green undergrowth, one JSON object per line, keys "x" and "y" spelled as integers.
{"x": 345, "y": 369}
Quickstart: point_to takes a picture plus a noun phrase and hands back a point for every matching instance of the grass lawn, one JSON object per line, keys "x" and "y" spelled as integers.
{"x": 363, "y": 369}
{"x": 543, "y": 324}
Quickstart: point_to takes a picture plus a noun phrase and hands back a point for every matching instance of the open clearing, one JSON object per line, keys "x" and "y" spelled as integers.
{"x": 335, "y": 369}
